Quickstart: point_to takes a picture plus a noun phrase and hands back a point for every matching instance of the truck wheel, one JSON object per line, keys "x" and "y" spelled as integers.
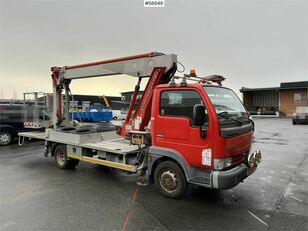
{"x": 170, "y": 179}
{"x": 61, "y": 157}
{"x": 6, "y": 138}
{"x": 62, "y": 160}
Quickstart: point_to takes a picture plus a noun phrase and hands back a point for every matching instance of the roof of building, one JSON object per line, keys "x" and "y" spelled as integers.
{"x": 291, "y": 85}
{"x": 287, "y": 85}
{"x": 125, "y": 92}
{"x": 94, "y": 98}
{"x": 246, "y": 89}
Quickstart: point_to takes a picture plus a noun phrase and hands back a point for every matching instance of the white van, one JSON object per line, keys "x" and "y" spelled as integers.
{"x": 118, "y": 114}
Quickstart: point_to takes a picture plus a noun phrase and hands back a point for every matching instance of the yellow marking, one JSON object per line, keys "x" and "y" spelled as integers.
{"x": 103, "y": 162}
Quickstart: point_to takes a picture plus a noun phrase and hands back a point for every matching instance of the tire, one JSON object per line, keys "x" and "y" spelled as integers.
{"x": 62, "y": 161}
{"x": 170, "y": 180}
{"x": 6, "y": 138}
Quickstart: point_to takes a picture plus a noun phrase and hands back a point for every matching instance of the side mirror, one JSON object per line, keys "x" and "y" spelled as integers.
{"x": 199, "y": 115}
{"x": 199, "y": 118}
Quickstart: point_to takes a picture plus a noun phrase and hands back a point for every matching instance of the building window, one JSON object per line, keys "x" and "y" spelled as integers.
{"x": 297, "y": 98}
{"x": 179, "y": 103}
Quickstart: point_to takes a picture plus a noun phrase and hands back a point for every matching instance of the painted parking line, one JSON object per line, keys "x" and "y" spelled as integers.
{"x": 263, "y": 222}
{"x": 296, "y": 199}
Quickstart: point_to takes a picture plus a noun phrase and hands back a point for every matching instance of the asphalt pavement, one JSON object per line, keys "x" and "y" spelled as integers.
{"x": 36, "y": 195}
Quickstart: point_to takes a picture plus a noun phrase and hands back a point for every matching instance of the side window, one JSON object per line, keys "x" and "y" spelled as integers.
{"x": 179, "y": 103}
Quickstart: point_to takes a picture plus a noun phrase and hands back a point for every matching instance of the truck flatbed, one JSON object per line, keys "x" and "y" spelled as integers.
{"x": 110, "y": 141}
{"x": 116, "y": 146}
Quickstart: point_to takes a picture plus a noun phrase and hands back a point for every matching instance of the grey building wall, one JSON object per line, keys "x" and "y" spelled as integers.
{"x": 268, "y": 98}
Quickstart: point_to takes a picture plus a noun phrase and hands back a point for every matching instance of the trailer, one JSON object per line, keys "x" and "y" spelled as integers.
{"x": 179, "y": 133}
{"x": 30, "y": 115}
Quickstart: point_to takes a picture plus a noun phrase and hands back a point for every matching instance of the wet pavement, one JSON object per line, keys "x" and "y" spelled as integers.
{"x": 35, "y": 195}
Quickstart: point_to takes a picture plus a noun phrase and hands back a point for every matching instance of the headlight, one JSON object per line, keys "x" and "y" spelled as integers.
{"x": 222, "y": 163}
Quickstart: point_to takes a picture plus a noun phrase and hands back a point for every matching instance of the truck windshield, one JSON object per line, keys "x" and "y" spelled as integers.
{"x": 226, "y": 103}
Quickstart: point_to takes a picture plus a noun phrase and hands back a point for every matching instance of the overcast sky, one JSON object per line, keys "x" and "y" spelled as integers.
{"x": 251, "y": 43}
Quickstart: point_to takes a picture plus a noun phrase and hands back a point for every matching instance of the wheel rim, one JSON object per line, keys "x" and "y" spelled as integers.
{"x": 168, "y": 181}
{"x": 61, "y": 158}
{"x": 5, "y": 138}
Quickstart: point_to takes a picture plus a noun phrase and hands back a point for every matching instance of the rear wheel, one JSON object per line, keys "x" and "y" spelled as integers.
{"x": 62, "y": 161}
{"x": 170, "y": 179}
{"x": 6, "y": 138}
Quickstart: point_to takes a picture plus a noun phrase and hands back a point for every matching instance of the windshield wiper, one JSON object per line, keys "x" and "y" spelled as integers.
{"x": 237, "y": 121}
{"x": 225, "y": 115}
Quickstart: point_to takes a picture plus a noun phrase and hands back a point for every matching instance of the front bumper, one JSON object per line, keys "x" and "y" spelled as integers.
{"x": 230, "y": 178}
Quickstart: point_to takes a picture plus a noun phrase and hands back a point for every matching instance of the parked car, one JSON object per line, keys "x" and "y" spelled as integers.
{"x": 12, "y": 118}
{"x": 300, "y": 116}
{"x": 11, "y": 122}
{"x": 118, "y": 114}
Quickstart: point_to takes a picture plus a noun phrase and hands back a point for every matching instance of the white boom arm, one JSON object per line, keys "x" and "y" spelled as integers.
{"x": 141, "y": 67}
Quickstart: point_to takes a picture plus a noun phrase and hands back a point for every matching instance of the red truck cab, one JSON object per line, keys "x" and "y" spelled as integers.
{"x": 205, "y": 131}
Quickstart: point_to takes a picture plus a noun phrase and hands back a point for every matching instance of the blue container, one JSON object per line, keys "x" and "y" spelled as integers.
{"x": 91, "y": 116}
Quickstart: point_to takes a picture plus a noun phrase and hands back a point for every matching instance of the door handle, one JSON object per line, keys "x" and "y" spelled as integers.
{"x": 159, "y": 136}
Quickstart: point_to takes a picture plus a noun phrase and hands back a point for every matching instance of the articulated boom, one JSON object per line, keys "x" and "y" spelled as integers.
{"x": 159, "y": 67}
{"x": 142, "y": 114}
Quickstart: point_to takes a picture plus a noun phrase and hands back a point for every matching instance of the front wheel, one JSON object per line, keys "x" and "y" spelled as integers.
{"x": 62, "y": 161}
{"x": 170, "y": 179}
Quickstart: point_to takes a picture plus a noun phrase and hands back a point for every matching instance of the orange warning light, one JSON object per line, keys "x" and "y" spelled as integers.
{"x": 192, "y": 73}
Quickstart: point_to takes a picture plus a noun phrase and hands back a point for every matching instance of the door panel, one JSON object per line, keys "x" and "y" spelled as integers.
{"x": 175, "y": 131}
{"x": 173, "y": 128}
